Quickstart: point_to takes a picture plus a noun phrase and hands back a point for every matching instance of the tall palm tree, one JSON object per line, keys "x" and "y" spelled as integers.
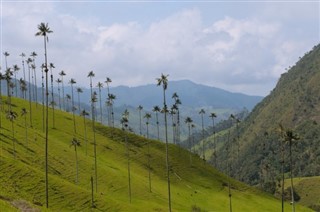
{"x": 23, "y": 87}
{"x": 147, "y": 116}
{"x": 189, "y": 121}
{"x": 125, "y": 126}
{"x": 79, "y": 90}
{"x": 44, "y": 30}
{"x": 288, "y": 137}
{"x": 15, "y": 71}
{"x": 8, "y": 77}
{"x": 84, "y": 113}
{"x": 33, "y": 66}
{"x": 91, "y": 75}
{"x": 73, "y": 81}
{"x": 6, "y": 55}
{"x": 100, "y": 86}
{"x": 177, "y": 102}
{"x": 29, "y": 60}
{"x": 43, "y": 66}
{"x": 163, "y": 80}
{"x": 52, "y": 96}
{"x": 93, "y": 102}
{"x": 157, "y": 109}
{"x": 172, "y": 112}
{"x": 202, "y": 112}
{"x": 76, "y": 143}
{"x": 110, "y": 102}
{"x": 68, "y": 98}
{"x": 59, "y": 81}
{"x": 108, "y": 81}
{"x": 139, "y": 109}
{"x": 213, "y": 116}
{"x": 23, "y": 67}
{"x": 11, "y": 116}
{"x": 62, "y": 74}
{"x": 24, "y": 113}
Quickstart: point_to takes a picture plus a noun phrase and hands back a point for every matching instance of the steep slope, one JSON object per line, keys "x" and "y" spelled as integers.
{"x": 195, "y": 185}
{"x": 295, "y": 104}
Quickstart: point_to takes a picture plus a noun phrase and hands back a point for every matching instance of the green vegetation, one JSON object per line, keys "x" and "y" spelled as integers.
{"x": 23, "y": 179}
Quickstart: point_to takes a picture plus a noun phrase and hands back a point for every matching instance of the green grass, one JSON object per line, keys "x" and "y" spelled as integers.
{"x": 196, "y": 184}
{"x": 308, "y": 188}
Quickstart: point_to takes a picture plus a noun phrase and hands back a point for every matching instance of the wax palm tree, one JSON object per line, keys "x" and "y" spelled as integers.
{"x": 110, "y": 102}
{"x": 100, "y": 86}
{"x": 172, "y": 112}
{"x": 62, "y": 74}
{"x": 29, "y": 60}
{"x": 84, "y": 113}
{"x": 33, "y": 66}
{"x": 288, "y": 137}
{"x": 23, "y": 67}
{"x": 124, "y": 121}
{"x": 23, "y": 87}
{"x": 108, "y": 81}
{"x": 8, "y": 77}
{"x": 11, "y": 116}
{"x": 71, "y": 82}
{"x": 177, "y": 102}
{"x": 15, "y": 71}
{"x": 79, "y": 90}
{"x": 76, "y": 143}
{"x": 202, "y": 112}
{"x": 6, "y": 55}
{"x": 163, "y": 80}
{"x": 93, "y": 102}
{"x": 139, "y": 109}
{"x": 52, "y": 96}
{"x": 213, "y": 116}
{"x": 189, "y": 121}
{"x": 193, "y": 126}
{"x": 147, "y": 116}
{"x": 91, "y": 75}
{"x": 59, "y": 81}
{"x": 24, "y": 113}
{"x": 156, "y": 109}
{"x": 68, "y": 98}
{"x": 44, "y": 30}
{"x": 43, "y": 66}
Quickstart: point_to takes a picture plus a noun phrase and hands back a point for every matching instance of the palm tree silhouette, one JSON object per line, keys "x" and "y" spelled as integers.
{"x": 15, "y": 71}
{"x": 202, "y": 112}
{"x": 93, "y": 102}
{"x": 62, "y": 74}
{"x": 76, "y": 143}
{"x": 79, "y": 90}
{"x": 100, "y": 85}
{"x": 59, "y": 81}
{"x": 189, "y": 121}
{"x": 163, "y": 80}
{"x": 23, "y": 69}
{"x": 71, "y": 82}
{"x": 29, "y": 60}
{"x": 24, "y": 113}
{"x": 108, "y": 81}
{"x": 11, "y": 116}
{"x": 213, "y": 116}
{"x": 43, "y": 31}
{"x": 110, "y": 102}
{"x": 157, "y": 110}
{"x": 84, "y": 113}
{"x": 147, "y": 116}
{"x": 52, "y": 96}
{"x": 33, "y": 66}
{"x": 140, "y": 108}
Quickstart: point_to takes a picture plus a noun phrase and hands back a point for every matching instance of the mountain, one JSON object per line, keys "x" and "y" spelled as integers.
{"x": 195, "y": 185}
{"x": 191, "y": 94}
{"x": 254, "y": 146}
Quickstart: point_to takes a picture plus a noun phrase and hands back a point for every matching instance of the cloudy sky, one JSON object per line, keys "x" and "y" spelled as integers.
{"x": 240, "y": 46}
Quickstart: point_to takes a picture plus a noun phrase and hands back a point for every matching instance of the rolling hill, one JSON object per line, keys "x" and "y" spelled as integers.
{"x": 255, "y": 144}
{"x": 195, "y": 185}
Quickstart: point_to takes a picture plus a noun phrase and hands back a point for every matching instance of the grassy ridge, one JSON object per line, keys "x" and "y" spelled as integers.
{"x": 194, "y": 184}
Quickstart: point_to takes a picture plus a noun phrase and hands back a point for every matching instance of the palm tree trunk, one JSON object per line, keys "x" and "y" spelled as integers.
{"x": 167, "y": 148}
{"x": 13, "y": 140}
{"x": 76, "y": 154}
{"x": 30, "y": 96}
{"x": 47, "y": 122}
{"x": 158, "y": 126}
{"x": 73, "y": 115}
{"x": 52, "y": 100}
{"x": 85, "y": 133}
{"x": 149, "y": 165}
{"x": 100, "y": 105}
{"x": 59, "y": 96}
{"x": 291, "y": 177}
{"x": 43, "y": 99}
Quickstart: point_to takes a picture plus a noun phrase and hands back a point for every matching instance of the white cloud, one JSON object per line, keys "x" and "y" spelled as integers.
{"x": 235, "y": 54}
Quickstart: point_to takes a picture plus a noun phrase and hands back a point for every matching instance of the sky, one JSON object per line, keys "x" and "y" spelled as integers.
{"x": 240, "y": 46}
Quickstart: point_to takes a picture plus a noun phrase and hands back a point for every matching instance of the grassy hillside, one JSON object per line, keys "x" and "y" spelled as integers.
{"x": 295, "y": 104}
{"x": 308, "y": 190}
{"x": 194, "y": 186}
